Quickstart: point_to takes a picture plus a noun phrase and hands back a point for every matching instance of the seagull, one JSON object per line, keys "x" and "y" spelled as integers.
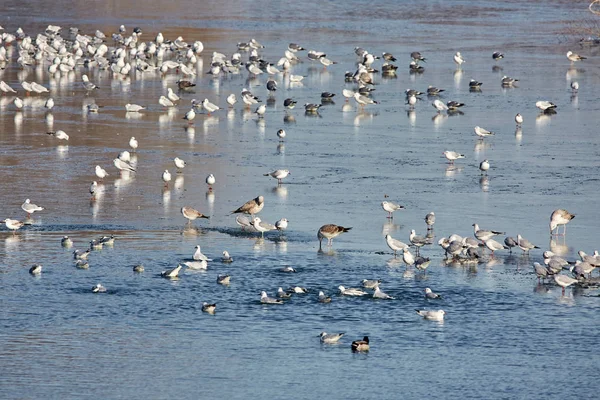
{"x": 261, "y": 226}
{"x": 525, "y": 244}
{"x": 134, "y": 107}
{"x": 323, "y": 298}
{"x": 226, "y": 257}
{"x": 432, "y": 314}
{"x": 408, "y": 257}
{"x": 166, "y": 177}
{"x": 395, "y": 244}
{"x": 179, "y": 163}
{"x": 66, "y": 242}
{"x": 231, "y": 99}
{"x": 198, "y": 256}
{"x": 351, "y": 291}
{"x": 93, "y": 189}
{"x": 484, "y": 166}
{"x": 190, "y": 115}
{"x": 326, "y": 61}
{"x": 209, "y": 107}
{"x": 278, "y": 174}
{"x": 574, "y": 57}
{"x": 564, "y": 281}
{"x": 519, "y": 119}
{"x": 475, "y": 85}
{"x": 287, "y": 269}
{"x": 391, "y": 207}
{"x": 172, "y": 96}
{"x": 242, "y": 221}
{"x": 439, "y": 105}
{"x": 251, "y": 207}
{"x": 165, "y": 102}
{"x": 88, "y": 86}
{"x": 482, "y": 132}
{"x": 223, "y": 279}
{"x": 82, "y": 264}
{"x": 452, "y": 155}
{"x": 430, "y": 220}
{"x": 197, "y": 265}
{"x": 98, "y": 289}
{"x": 281, "y": 134}
{"x": 330, "y": 338}
{"x": 311, "y": 108}
{"x": 458, "y": 59}
{"x": 210, "y": 180}
{"x": 282, "y": 224}
{"x": 101, "y": 172}
{"x": 362, "y": 100}
{"x": 209, "y": 308}
{"x": 283, "y": 295}
{"x": 49, "y": 104}
{"x": 348, "y": 94}
{"x": 264, "y": 299}
{"x": 171, "y": 273}
{"x": 289, "y": 103}
{"x": 35, "y": 270}
{"x": 191, "y": 214}
{"x": 494, "y": 245}
{"x": 508, "y": 81}
{"x": 30, "y": 208}
{"x": 416, "y": 56}
{"x": 545, "y": 105}
{"x": 574, "y": 86}
{"x": 5, "y": 87}
{"x": 560, "y": 217}
{"x": 540, "y": 271}
{"x": 510, "y": 242}
{"x": 418, "y": 241}
{"x": 12, "y": 224}
{"x": 371, "y": 283}
{"x": 484, "y": 235}
{"x": 433, "y": 91}
{"x": 454, "y": 105}
{"x": 329, "y": 232}
{"x": 60, "y": 135}
{"x": 430, "y": 295}
{"x": 361, "y": 345}
{"x": 133, "y": 143}
{"x": 379, "y": 294}
{"x": 261, "y": 110}
{"x": 122, "y": 165}
{"x": 138, "y": 268}
{"x": 497, "y": 56}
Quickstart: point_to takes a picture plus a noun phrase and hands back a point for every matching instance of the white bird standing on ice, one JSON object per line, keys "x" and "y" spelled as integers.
{"x": 519, "y": 119}
{"x": 166, "y": 177}
{"x": 133, "y": 143}
{"x": 179, "y": 163}
{"x": 484, "y": 166}
{"x": 452, "y": 155}
{"x": 458, "y": 59}
{"x": 210, "y": 180}
{"x": 391, "y": 207}
{"x": 278, "y": 174}
{"x": 101, "y": 172}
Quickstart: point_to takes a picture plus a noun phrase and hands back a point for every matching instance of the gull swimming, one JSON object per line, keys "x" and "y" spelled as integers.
{"x": 35, "y": 270}
{"x": 379, "y": 294}
{"x": 330, "y": 338}
{"x": 191, "y": 214}
{"x": 322, "y": 298}
{"x": 209, "y": 308}
{"x": 283, "y": 295}
{"x": 289, "y": 103}
{"x": 98, "y": 289}
{"x": 482, "y": 132}
{"x": 431, "y": 295}
{"x": 351, "y": 291}
{"x": 452, "y": 155}
{"x": 391, "y": 207}
{"x": 329, "y": 232}
{"x": 251, "y": 207}
{"x": 172, "y": 273}
{"x": 311, "y": 107}
{"x": 433, "y": 91}
{"x": 226, "y": 257}
{"x": 360, "y": 345}
{"x": 475, "y": 85}
{"x": 223, "y": 279}
{"x": 264, "y": 299}
{"x": 66, "y": 242}
{"x": 82, "y": 264}
{"x": 560, "y": 217}
{"x": 433, "y": 315}
{"x": 371, "y": 283}
{"x": 395, "y": 244}
{"x": 198, "y": 256}
{"x": 30, "y": 208}
{"x": 508, "y": 81}
{"x": 287, "y": 269}
{"x": 278, "y": 174}
{"x": 197, "y": 265}
{"x": 138, "y": 268}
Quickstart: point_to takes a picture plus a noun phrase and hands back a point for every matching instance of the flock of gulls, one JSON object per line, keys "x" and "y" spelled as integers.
{"x": 123, "y": 53}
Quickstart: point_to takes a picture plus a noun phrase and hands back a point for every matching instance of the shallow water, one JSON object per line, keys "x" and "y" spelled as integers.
{"x": 505, "y": 336}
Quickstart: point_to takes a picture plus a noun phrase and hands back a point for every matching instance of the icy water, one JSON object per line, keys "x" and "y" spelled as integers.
{"x": 504, "y": 335}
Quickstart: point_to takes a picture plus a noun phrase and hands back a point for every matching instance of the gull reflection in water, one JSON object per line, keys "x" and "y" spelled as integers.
{"x": 452, "y": 170}
{"x": 178, "y": 184}
{"x": 412, "y": 117}
{"x": 166, "y": 196}
{"x": 519, "y": 134}
{"x": 558, "y": 245}
{"x": 389, "y": 227}
{"x": 484, "y": 182}
{"x": 281, "y": 191}
{"x": 62, "y": 151}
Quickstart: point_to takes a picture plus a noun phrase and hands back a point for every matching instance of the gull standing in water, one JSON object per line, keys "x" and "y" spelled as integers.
{"x": 179, "y": 164}
{"x": 574, "y": 87}
{"x": 430, "y": 220}
{"x": 560, "y": 217}
{"x": 198, "y": 256}
{"x": 574, "y": 57}
{"x": 483, "y": 234}
{"x": 329, "y": 232}
{"x": 362, "y": 100}
{"x": 282, "y": 224}
{"x": 35, "y": 270}
{"x": 525, "y": 244}
{"x": 418, "y": 241}
{"x": 210, "y": 180}
{"x": 261, "y": 226}
{"x": 482, "y": 132}
{"x": 251, "y": 207}
{"x": 391, "y": 207}
{"x": 123, "y": 165}
{"x": 458, "y": 59}
{"x": 564, "y": 281}
{"x": 452, "y": 155}
{"x": 408, "y": 257}
{"x": 281, "y": 134}
{"x": 133, "y": 143}
{"x": 278, "y": 174}
{"x": 166, "y": 177}
{"x": 395, "y": 244}
{"x": 30, "y": 208}
{"x": 12, "y": 224}
{"x": 519, "y": 119}
{"x": 484, "y": 166}
{"x": 191, "y": 214}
